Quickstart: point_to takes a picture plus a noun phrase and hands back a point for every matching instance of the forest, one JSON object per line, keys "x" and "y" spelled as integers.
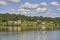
{"x": 12, "y": 17}
{"x": 28, "y": 22}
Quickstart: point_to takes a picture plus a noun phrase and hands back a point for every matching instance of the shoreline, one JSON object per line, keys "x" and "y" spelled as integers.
{"x": 20, "y": 29}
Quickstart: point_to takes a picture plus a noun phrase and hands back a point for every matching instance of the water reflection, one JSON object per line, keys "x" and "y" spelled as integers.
{"x": 31, "y": 35}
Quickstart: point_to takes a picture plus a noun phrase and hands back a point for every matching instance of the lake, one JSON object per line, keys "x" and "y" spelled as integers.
{"x": 31, "y": 35}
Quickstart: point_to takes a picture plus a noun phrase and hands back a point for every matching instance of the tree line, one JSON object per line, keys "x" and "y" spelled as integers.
{"x": 12, "y": 17}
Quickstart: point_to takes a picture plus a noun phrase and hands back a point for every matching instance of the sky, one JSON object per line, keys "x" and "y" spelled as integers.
{"x": 46, "y": 8}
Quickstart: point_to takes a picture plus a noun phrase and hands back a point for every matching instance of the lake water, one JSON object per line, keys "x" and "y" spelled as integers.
{"x": 31, "y": 35}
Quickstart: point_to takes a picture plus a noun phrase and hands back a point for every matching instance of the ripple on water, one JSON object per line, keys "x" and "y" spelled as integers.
{"x": 31, "y": 35}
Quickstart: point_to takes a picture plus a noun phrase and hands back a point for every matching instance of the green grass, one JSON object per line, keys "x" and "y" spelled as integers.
{"x": 27, "y": 25}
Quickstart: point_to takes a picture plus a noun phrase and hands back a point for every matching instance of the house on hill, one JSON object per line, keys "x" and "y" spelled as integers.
{"x": 41, "y": 22}
{"x": 14, "y": 22}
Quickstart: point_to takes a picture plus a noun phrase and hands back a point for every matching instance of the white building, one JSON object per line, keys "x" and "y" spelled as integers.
{"x": 43, "y": 22}
{"x": 14, "y": 22}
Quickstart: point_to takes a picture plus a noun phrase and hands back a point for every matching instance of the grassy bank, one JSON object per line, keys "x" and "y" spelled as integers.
{"x": 6, "y": 29}
{"x": 26, "y": 23}
{"x": 27, "y": 26}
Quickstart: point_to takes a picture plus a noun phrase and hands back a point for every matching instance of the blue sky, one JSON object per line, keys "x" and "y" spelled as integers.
{"x": 49, "y": 8}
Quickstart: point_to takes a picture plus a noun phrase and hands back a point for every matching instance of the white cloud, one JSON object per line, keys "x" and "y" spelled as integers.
{"x": 43, "y": 10}
{"x": 55, "y": 4}
{"x": 12, "y": 11}
{"x": 33, "y": 11}
{"x": 3, "y": 3}
{"x": 23, "y": 11}
{"x": 43, "y": 4}
{"x": 28, "y": 5}
{"x": 58, "y": 9}
{"x": 14, "y": 0}
{"x": 39, "y": 9}
{"x": 29, "y": 8}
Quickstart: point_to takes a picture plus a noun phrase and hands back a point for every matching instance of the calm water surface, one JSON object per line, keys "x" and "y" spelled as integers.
{"x": 31, "y": 35}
